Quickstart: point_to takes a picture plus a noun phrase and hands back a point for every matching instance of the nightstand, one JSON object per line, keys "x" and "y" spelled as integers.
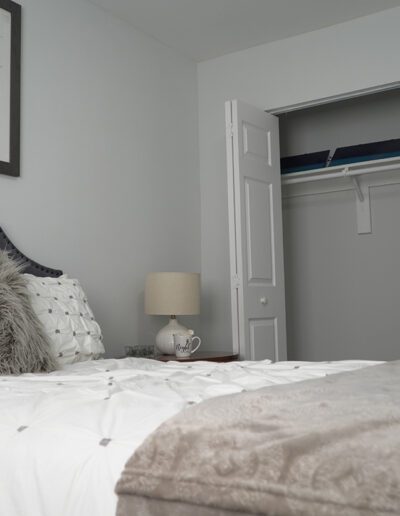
{"x": 210, "y": 356}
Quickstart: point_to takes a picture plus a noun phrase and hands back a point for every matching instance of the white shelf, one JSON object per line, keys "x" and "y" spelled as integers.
{"x": 358, "y": 176}
{"x": 350, "y": 169}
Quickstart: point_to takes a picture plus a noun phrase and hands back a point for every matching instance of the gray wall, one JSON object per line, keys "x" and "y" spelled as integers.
{"x": 109, "y": 185}
{"x": 361, "y": 120}
{"x": 347, "y": 57}
{"x": 342, "y": 289}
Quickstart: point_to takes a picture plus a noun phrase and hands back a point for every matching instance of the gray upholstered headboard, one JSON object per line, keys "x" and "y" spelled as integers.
{"x": 31, "y": 266}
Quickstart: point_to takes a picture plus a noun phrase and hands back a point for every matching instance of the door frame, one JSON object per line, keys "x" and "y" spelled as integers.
{"x": 335, "y": 98}
{"x": 236, "y": 304}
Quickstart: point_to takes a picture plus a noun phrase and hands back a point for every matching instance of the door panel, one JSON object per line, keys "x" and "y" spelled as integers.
{"x": 255, "y": 228}
{"x": 263, "y": 338}
{"x": 256, "y": 142}
{"x": 258, "y": 225}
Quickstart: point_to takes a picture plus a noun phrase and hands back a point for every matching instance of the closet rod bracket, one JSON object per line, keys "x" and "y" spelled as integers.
{"x": 356, "y": 184}
{"x": 363, "y": 208}
{"x": 363, "y": 205}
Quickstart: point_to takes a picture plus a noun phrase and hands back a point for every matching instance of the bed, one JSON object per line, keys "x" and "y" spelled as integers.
{"x": 66, "y": 436}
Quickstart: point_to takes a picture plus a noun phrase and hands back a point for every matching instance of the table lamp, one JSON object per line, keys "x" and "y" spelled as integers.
{"x": 171, "y": 293}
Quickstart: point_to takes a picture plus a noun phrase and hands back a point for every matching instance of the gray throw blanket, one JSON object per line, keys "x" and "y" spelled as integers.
{"x": 325, "y": 447}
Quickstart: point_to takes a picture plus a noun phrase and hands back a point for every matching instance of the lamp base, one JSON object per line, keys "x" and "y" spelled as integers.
{"x": 165, "y": 337}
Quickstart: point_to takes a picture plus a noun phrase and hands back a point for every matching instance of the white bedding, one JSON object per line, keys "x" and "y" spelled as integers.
{"x": 65, "y": 436}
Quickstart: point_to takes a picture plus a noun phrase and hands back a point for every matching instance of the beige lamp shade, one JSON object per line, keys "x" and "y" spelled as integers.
{"x": 172, "y": 293}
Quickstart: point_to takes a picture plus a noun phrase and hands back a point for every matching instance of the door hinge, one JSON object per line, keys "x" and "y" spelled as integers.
{"x": 230, "y": 129}
{"x": 236, "y": 281}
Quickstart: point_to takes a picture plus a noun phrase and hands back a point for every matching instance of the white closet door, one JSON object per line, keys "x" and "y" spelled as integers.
{"x": 255, "y": 227}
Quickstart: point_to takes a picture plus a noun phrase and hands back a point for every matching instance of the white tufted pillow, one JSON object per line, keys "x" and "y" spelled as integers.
{"x": 62, "y": 308}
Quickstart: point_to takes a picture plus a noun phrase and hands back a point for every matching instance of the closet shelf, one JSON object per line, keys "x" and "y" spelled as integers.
{"x": 348, "y": 176}
{"x": 343, "y": 171}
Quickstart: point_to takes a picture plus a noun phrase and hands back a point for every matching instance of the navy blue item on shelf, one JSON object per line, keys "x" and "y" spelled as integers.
{"x": 366, "y": 152}
{"x": 303, "y": 162}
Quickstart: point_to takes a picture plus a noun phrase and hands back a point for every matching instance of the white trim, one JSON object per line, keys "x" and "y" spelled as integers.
{"x": 334, "y": 98}
{"x": 234, "y": 283}
{"x": 242, "y": 345}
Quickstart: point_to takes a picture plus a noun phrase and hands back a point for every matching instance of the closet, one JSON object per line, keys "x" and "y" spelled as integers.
{"x": 351, "y": 144}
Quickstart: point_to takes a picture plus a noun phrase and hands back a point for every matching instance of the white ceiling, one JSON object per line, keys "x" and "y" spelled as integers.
{"x": 203, "y": 29}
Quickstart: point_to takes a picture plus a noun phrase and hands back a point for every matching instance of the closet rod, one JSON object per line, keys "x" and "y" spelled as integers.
{"x": 343, "y": 173}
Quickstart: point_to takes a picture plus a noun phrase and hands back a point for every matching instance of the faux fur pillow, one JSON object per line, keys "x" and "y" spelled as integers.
{"x": 24, "y": 347}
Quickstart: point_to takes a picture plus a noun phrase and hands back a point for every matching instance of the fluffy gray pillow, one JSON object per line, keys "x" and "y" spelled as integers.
{"x": 24, "y": 347}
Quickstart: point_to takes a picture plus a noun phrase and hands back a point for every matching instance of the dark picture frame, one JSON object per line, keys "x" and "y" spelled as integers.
{"x": 11, "y": 165}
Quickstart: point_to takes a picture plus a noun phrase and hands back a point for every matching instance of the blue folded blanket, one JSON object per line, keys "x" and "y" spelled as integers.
{"x": 303, "y": 162}
{"x": 366, "y": 152}
{"x": 342, "y": 156}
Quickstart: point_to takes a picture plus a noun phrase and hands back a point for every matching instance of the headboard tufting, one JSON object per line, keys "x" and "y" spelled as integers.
{"x": 31, "y": 266}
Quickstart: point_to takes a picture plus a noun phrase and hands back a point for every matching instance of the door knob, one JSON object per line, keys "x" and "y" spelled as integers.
{"x": 263, "y": 300}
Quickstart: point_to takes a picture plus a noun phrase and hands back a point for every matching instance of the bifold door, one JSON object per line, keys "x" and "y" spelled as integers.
{"x": 255, "y": 233}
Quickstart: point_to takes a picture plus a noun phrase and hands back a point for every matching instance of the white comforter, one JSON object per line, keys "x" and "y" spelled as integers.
{"x": 65, "y": 436}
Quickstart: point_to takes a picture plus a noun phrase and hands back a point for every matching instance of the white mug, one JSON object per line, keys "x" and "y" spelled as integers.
{"x": 183, "y": 343}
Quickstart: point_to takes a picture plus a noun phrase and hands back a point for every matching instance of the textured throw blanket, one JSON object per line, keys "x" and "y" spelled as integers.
{"x": 325, "y": 447}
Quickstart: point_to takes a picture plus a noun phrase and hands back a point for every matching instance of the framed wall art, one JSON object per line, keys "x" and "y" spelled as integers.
{"x": 10, "y": 87}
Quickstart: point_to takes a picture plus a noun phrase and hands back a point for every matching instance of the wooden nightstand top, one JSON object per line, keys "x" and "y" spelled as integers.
{"x": 210, "y": 356}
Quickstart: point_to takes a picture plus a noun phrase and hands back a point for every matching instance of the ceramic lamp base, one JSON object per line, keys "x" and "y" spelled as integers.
{"x": 165, "y": 337}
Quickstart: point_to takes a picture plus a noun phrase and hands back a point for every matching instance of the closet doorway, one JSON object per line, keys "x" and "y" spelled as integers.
{"x": 357, "y": 138}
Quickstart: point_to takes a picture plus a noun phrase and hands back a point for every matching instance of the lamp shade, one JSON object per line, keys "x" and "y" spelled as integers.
{"x": 172, "y": 293}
